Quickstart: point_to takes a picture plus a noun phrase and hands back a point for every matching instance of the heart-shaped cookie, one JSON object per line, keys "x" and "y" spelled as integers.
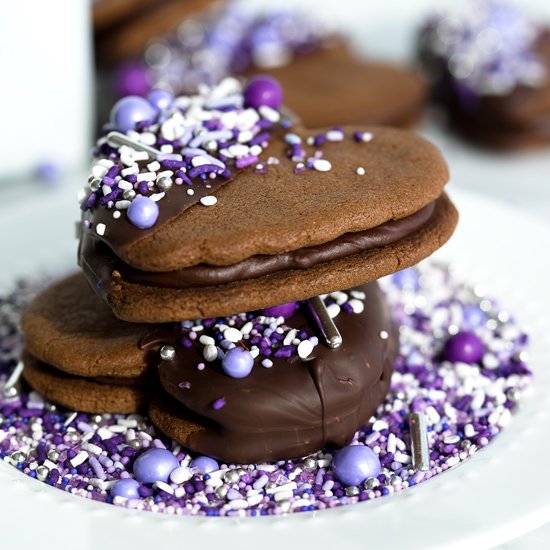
{"x": 215, "y": 204}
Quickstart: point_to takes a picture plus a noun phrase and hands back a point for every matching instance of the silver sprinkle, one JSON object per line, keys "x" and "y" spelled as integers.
{"x": 9, "y": 389}
{"x": 53, "y": 455}
{"x": 18, "y": 457}
{"x": 372, "y": 483}
{"x": 70, "y": 419}
{"x": 164, "y": 183}
{"x": 221, "y": 492}
{"x": 135, "y": 444}
{"x": 231, "y": 476}
{"x": 42, "y": 473}
{"x": 513, "y": 394}
{"x": 352, "y": 491}
{"x": 419, "y": 439}
{"x": 95, "y": 184}
{"x": 310, "y": 463}
{"x": 326, "y": 325}
{"x": 129, "y": 194}
{"x": 167, "y": 353}
{"x": 116, "y": 139}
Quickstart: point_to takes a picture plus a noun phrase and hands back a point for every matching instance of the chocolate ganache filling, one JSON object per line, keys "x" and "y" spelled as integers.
{"x": 99, "y": 262}
{"x": 297, "y": 406}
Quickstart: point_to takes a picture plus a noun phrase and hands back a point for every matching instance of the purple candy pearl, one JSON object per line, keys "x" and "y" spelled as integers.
{"x": 354, "y": 464}
{"x": 465, "y": 347}
{"x": 127, "y": 488}
{"x": 132, "y": 79}
{"x": 143, "y": 212}
{"x": 155, "y": 465}
{"x": 160, "y": 99}
{"x": 283, "y": 310}
{"x": 263, "y": 90}
{"x": 129, "y": 111}
{"x": 204, "y": 464}
{"x": 237, "y": 362}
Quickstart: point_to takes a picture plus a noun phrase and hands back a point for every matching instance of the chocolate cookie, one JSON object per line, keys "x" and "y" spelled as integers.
{"x": 299, "y": 395}
{"x": 80, "y": 355}
{"x": 267, "y": 214}
{"x": 324, "y": 81}
{"x": 335, "y": 86}
{"x": 496, "y": 96}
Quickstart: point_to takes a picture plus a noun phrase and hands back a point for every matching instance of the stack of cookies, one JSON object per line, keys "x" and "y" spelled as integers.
{"x": 216, "y": 237}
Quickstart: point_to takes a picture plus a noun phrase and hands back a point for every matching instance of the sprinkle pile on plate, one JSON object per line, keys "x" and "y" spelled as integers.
{"x": 462, "y": 365}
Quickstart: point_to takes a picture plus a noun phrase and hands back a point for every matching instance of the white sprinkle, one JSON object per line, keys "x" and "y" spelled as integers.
{"x": 237, "y": 504}
{"x": 238, "y": 150}
{"x": 335, "y": 135}
{"x": 125, "y": 185}
{"x": 391, "y": 445}
{"x": 340, "y": 297}
{"x": 100, "y": 229}
{"x": 233, "y": 335}
{"x": 322, "y": 165}
{"x": 283, "y": 495}
{"x": 147, "y": 176}
{"x": 384, "y": 335}
{"x": 247, "y": 327}
{"x": 402, "y": 458}
{"x": 253, "y": 500}
{"x": 290, "y": 337}
{"x": 360, "y": 171}
{"x": 157, "y": 196}
{"x": 180, "y": 475}
{"x": 81, "y": 457}
{"x": 153, "y": 166}
{"x": 357, "y": 305}
{"x": 210, "y": 353}
{"x": 190, "y": 192}
{"x": 267, "y": 363}
{"x": 116, "y": 214}
{"x": 358, "y": 294}
{"x": 123, "y": 205}
{"x": 333, "y": 310}
{"x": 49, "y": 464}
{"x": 305, "y": 348}
{"x": 105, "y": 162}
{"x": 105, "y": 189}
{"x": 200, "y": 161}
{"x": 105, "y": 433}
{"x": 207, "y": 340}
{"x": 254, "y": 352}
{"x": 270, "y": 114}
{"x": 167, "y": 148}
{"x": 209, "y": 200}
{"x": 380, "y": 425}
{"x": 99, "y": 171}
{"x": 367, "y": 136}
{"x": 132, "y": 169}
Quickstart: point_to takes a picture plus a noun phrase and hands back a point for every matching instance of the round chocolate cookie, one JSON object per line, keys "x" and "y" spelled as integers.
{"x": 281, "y": 214}
{"x": 80, "y": 355}
{"x": 299, "y": 396}
{"x": 100, "y": 395}
{"x": 334, "y": 86}
{"x": 496, "y": 96}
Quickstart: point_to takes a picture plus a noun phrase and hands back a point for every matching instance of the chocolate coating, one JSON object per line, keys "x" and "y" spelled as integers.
{"x": 296, "y": 406}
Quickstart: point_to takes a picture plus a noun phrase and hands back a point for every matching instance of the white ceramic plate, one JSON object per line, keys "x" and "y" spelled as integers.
{"x": 492, "y": 498}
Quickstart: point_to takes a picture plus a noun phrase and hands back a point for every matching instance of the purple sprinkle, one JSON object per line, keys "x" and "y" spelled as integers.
{"x": 218, "y": 404}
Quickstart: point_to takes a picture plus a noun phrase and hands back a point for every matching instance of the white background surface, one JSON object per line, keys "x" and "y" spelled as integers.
{"x": 504, "y": 248}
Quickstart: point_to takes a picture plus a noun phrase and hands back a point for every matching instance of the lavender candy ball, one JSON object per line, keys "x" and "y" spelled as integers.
{"x": 126, "y": 488}
{"x": 354, "y": 464}
{"x": 129, "y": 111}
{"x": 263, "y": 91}
{"x": 143, "y": 212}
{"x": 283, "y": 310}
{"x": 204, "y": 464}
{"x": 407, "y": 279}
{"x": 160, "y": 99}
{"x": 237, "y": 362}
{"x": 465, "y": 347}
{"x": 155, "y": 465}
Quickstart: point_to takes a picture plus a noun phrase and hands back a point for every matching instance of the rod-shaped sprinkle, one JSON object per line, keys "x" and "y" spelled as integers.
{"x": 419, "y": 440}
{"x": 9, "y": 389}
{"x": 330, "y": 333}
{"x": 116, "y": 139}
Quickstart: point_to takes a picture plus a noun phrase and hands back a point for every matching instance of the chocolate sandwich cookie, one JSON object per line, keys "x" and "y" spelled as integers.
{"x": 228, "y": 209}
{"x": 265, "y": 386}
{"x": 78, "y": 354}
{"x": 496, "y": 90}
{"x": 324, "y": 81}
{"x": 333, "y": 85}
